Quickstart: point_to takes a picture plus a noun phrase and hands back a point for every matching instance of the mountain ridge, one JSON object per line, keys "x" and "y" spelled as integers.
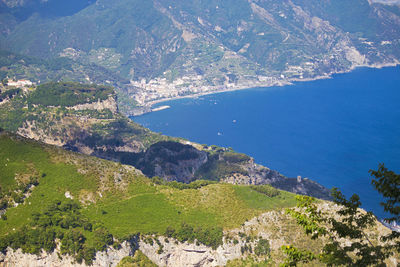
{"x": 85, "y": 118}
{"x": 170, "y": 49}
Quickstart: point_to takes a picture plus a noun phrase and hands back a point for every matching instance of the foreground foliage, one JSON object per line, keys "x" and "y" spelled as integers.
{"x": 351, "y": 224}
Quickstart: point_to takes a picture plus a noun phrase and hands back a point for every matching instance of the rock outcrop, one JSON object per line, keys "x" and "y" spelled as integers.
{"x": 110, "y": 258}
{"x": 109, "y": 103}
{"x": 276, "y": 227}
{"x": 258, "y": 174}
{"x": 186, "y": 254}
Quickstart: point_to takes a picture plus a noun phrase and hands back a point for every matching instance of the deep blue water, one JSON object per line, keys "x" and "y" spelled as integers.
{"x": 332, "y": 131}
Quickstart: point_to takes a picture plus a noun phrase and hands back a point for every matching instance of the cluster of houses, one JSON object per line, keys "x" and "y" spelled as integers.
{"x": 20, "y": 83}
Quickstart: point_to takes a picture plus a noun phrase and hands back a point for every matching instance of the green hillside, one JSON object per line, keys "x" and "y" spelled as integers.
{"x": 110, "y": 199}
{"x": 39, "y": 70}
{"x": 48, "y": 107}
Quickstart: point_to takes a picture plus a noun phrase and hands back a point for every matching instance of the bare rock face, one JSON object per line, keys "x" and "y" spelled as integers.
{"x": 258, "y": 174}
{"x": 30, "y": 130}
{"x": 303, "y": 186}
{"x": 276, "y": 227}
{"x": 109, "y": 103}
{"x": 110, "y": 258}
{"x": 185, "y": 254}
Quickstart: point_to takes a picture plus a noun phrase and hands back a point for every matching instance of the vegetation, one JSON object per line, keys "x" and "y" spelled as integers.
{"x": 266, "y": 190}
{"x": 163, "y": 153}
{"x": 217, "y": 169}
{"x": 249, "y": 261}
{"x": 351, "y": 225}
{"x": 63, "y": 221}
{"x": 67, "y": 94}
{"x": 130, "y": 203}
{"x": 181, "y": 186}
{"x": 262, "y": 248}
{"x": 233, "y": 157}
{"x": 256, "y": 199}
{"x": 211, "y": 237}
{"x": 265, "y": 44}
{"x": 138, "y": 260}
{"x": 9, "y": 93}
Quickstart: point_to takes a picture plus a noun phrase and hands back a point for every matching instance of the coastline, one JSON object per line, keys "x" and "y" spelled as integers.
{"x": 148, "y": 107}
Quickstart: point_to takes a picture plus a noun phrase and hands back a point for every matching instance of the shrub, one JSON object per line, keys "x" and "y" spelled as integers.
{"x": 266, "y": 190}
{"x": 262, "y": 247}
{"x": 64, "y": 221}
{"x": 211, "y": 237}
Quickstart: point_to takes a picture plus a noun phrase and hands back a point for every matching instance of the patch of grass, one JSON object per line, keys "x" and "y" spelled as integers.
{"x": 233, "y": 157}
{"x": 266, "y": 190}
{"x": 138, "y": 260}
{"x": 260, "y": 201}
{"x": 59, "y": 178}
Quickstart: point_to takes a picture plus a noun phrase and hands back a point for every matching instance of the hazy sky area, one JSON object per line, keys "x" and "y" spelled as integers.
{"x": 387, "y": 1}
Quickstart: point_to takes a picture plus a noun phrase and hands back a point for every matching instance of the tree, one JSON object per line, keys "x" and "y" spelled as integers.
{"x": 351, "y": 224}
{"x": 388, "y": 184}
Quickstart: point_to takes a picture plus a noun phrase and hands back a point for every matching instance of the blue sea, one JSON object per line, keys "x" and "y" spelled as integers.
{"x": 332, "y": 131}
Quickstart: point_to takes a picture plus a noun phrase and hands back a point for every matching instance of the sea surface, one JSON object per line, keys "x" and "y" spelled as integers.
{"x": 332, "y": 131}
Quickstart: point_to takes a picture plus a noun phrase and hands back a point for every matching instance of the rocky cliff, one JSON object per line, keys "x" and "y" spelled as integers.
{"x": 275, "y": 227}
{"x": 110, "y": 258}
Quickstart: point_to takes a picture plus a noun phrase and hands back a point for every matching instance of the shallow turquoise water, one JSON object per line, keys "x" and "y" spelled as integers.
{"x": 332, "y": 131}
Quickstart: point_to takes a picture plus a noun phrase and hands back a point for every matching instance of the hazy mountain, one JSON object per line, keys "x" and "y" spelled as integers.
{"x": 209, "y": 43}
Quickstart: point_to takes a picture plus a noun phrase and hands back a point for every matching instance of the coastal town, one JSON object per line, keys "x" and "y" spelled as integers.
{"x": 160, "y": 89}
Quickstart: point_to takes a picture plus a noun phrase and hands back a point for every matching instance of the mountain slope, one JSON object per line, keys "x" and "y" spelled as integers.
{"x": 180, "y": 48}
{"x": 18, "y": 67}
{"x": 102, "y": 201}
{"x": 85, "y": 118}
{"x": 81, "y": 209}
{"x": 222, "y": 41}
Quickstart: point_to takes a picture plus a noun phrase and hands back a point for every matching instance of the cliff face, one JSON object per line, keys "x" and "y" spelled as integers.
{"x": 258, "y": 174}
{"x": 109, "y": 104}
{"x": 174, "y": 161}
{"x": 276, "y": 227}
{"x": 110, "y": 258}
